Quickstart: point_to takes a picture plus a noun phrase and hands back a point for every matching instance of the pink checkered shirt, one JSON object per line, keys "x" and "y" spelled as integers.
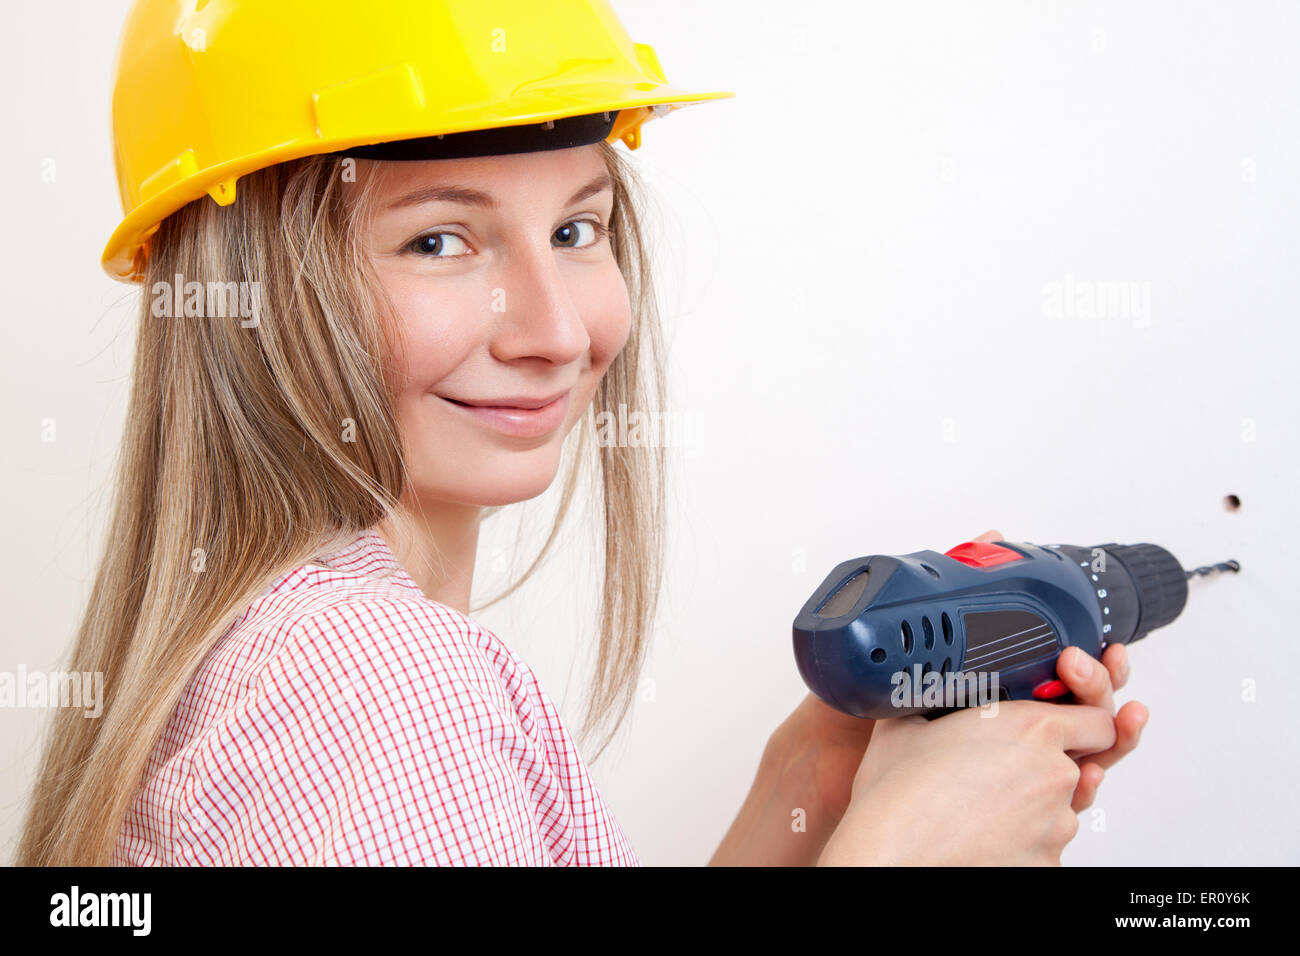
{"x": 347, "y": 719}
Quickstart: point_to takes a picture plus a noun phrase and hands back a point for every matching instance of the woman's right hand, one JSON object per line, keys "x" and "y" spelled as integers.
{"x": 982, "y": 789}
{"x": 969, "y": 790}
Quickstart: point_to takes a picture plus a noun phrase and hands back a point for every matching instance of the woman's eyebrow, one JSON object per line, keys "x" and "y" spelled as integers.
{"x": 468, "y": 196}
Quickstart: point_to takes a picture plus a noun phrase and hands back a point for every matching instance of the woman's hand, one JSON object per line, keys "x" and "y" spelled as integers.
{"x": 973, "y": 788}
{"x": 1095, "y": 685}
{"x": 821, "y": 748}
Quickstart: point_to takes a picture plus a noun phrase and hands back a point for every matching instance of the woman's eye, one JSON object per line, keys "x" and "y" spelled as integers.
{"x": 577, "y": 234}
{"x": 434, "y": 245}
{"x": 568, "y": 235}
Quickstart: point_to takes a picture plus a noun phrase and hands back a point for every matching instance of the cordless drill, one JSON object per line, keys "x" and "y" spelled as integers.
{"x": 927, "y": 633}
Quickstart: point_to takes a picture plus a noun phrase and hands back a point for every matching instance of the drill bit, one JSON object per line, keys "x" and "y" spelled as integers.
{"x": 1231, "y": 565}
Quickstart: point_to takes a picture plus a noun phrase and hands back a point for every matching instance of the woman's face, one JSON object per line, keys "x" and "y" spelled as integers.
{"x": 510, "y": 305}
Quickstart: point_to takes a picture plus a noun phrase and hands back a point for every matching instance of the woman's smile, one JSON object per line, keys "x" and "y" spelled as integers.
{"x": 519, "y": 416}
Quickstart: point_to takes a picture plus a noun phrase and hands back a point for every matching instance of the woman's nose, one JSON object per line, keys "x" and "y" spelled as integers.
{"x": 539, "y": 316}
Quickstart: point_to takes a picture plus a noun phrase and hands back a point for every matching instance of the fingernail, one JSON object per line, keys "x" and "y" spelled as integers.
{"x": 1123, "y": 665}
{"x": 1082, "y": 664}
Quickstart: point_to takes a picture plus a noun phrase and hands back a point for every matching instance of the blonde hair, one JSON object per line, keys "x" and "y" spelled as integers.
{"x": 233, "y": 445}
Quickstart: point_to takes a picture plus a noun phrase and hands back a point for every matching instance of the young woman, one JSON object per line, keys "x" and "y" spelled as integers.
{"x": 443, "y": 300}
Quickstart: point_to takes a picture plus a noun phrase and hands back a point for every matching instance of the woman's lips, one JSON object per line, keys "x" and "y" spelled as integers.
{"x": 517, "y": 421}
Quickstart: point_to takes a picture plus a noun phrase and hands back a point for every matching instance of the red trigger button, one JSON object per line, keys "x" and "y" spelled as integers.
{"x": 1050, "y": 689}
{"x": 982, "y": 554}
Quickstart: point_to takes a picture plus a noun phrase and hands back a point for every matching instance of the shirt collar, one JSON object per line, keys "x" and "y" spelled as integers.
{"x": 369, "y": 554}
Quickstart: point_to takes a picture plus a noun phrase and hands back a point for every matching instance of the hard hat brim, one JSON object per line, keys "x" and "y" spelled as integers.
{"x": 565, "y": 133}
{"x": 123, "y": 257}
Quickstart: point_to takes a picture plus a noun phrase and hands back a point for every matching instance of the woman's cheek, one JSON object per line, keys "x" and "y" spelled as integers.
{"x": 438, "y": 332}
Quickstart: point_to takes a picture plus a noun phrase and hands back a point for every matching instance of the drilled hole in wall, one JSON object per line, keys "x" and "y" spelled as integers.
{"x": 1231, "y": 502}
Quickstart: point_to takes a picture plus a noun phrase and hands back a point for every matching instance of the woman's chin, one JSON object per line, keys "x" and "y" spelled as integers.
{"x": 509, "y": 493}
{"x": 494, "y": 487}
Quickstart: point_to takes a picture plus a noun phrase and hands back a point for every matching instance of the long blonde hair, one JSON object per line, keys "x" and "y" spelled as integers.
{"x": 233, "y": 462}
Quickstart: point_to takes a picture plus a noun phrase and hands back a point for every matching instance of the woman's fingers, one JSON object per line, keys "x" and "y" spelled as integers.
{"x": 1085, "y": 791}
{"x": 990, "y": 536}
{"x": 1086, "y": 678}
{"x": 1115, "y": 658}
{"x": 1129, "y": 722}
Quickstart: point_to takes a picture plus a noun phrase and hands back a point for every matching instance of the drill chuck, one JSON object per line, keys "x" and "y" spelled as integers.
{"x": 1145, "y": 585}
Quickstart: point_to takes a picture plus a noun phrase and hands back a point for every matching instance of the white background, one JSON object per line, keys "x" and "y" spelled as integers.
{"x": 855, "y": 256}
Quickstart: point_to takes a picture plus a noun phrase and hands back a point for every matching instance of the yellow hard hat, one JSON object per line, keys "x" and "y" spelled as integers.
{"x": 207, "y": 91}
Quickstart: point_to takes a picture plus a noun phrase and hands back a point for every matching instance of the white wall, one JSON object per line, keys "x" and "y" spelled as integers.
{"x": 857, "y": 255}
